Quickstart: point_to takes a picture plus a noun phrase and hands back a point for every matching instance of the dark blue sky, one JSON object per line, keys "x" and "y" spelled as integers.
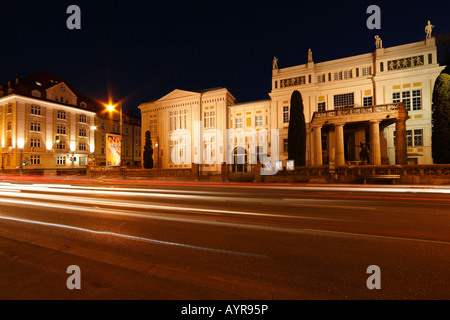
{"x": 142, "y": 50}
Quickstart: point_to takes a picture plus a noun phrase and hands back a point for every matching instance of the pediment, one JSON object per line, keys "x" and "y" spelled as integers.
{"x": 61, "y": 93}
{"x": 179, "y": 94}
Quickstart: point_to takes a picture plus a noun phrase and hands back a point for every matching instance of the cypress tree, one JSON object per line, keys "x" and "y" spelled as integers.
{"x": 297, "y": 130}
{"x": 148, "y": 151}
{"x": 440, "y": 139}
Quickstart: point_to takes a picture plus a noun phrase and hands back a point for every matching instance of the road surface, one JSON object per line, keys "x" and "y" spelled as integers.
{"x": 213, "y": 241}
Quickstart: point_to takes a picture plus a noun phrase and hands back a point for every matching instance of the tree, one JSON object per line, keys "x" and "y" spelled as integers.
{"x": 440, "y": 139}
{"x": 297, "y": 130}
{"x": 148, "y": 151}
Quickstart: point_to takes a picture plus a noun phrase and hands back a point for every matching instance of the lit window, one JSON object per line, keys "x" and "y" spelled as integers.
{"x": 238, "y": 123}
{"x": 259, "y": 121}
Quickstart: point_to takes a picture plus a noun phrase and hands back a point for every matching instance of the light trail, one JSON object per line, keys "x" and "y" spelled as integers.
{"x": 120, "y": 235}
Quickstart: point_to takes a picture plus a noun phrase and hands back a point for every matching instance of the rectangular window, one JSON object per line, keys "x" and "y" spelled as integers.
{"x": 238, "y": 123}
{"x": 259, "y": 121}
{"x": 410, "y": 98}
{"x": 396, "y": 97}
{"x": 61, "y": 145}
{"x": 345, "y": 100}
{"x": 321, "y": 106}
{"x": 285, "y": 114}
{"x": 83, "y": 118}
{"x": 61, "y": 129}
{"x": 35, "y": 126}
{"x": 36, "y": 110}
{"x": 35, "y": 160}
{"x": 347, "y": 74}
{"x": 418, "y": 137}
{"x": 338, "y": 75}
{"x": 60, "y": 161}
{"x": 367, "y": 101}
{"x": 381, "y": 66}
{"x": 82, "y": 132}
{"x": 285, "y": 145}
{"x": 209, "y": 119}
{"x": 406, "y": 98}
{"x": 430, "y": 58}
{"x": 9, "y": 126}
{"x": 153, "y": 126}
{"x": 61, "y": 115}
{"x": 417, "y": 100}
{"x": 367, "y": 71}
{"x": 82, "y": 146}
{"x": 321, "y": 78}
{"x": 35, "y": 143}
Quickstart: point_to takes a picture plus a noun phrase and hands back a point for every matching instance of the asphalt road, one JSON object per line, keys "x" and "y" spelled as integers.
{"x": 180, "y": 241}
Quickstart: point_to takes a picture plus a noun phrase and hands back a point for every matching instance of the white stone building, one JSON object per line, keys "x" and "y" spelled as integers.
{"x": 347, "y": 102}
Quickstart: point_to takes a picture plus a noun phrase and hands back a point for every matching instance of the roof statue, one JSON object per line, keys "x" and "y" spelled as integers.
{"x": 275, "y": 63}
{"x": 310, "y": 58}
{"x": 378, "y": 42}
{"x": 428, "y": 29}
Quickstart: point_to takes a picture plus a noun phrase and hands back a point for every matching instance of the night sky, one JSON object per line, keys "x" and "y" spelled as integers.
{"x": 141, "y": 50}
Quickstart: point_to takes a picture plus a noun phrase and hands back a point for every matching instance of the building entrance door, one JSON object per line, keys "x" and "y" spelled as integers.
{"x": 240, "y": 158}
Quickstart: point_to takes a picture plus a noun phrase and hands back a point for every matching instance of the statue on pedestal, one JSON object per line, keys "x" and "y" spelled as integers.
{"x": 378, "y": 42}
{"x": 275, "y": 63}
{"x": 428, "y": 29}
{"x": 310, "y": 59}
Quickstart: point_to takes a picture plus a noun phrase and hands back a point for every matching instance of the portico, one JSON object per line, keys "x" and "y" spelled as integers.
{"x": 349, "y": 128}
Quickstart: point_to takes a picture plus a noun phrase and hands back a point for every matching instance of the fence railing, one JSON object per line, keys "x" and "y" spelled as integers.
{"x": 351, "y": 111}
{"x": 436, "y": 170}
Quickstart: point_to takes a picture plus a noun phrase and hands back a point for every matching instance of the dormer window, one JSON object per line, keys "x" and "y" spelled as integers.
{"x": 83, "y": 105}
{"x": 36, "y": 93}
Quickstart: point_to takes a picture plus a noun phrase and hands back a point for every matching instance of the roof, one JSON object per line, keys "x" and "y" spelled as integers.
{"x": 41, "y": 81}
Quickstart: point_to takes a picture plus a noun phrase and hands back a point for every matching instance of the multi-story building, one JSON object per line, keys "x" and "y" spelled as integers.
{"x": 403, "y": 73}
{"x": 380, "y": 99}
{"x": 45, "y": 126}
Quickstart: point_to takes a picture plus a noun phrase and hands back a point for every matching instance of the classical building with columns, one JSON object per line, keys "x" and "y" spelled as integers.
{"x": 373, "y": 108}
{"x": 353, "y": 101}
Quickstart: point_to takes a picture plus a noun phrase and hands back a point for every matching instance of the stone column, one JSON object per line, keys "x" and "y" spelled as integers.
{"x": 375, "y": 150}
{"x": 339, "y": 135}
{"x": 317, "y": 141}
{"x": 401, "y": 156}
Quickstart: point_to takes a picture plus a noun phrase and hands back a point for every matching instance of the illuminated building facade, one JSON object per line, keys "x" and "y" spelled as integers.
{"x": 379, "y": 101}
